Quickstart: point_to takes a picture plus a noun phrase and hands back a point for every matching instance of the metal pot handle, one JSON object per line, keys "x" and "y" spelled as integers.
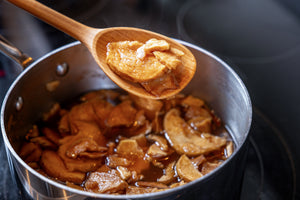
{"x": 14, "y": 53}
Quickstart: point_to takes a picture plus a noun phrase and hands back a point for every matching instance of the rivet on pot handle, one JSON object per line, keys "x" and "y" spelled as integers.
{"x": 14, "y": 53}
{"x": 19, "y": 104}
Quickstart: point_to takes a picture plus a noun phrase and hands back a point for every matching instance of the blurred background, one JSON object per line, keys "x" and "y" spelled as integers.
{"x": 259, "y": 39}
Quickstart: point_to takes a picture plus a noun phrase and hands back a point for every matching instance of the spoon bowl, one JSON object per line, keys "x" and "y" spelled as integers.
{"x": 96, "y": 41}
{"x": 129, "y": 34}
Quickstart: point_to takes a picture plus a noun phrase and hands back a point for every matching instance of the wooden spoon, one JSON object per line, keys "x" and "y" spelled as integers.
{"x": 97, "y": 39}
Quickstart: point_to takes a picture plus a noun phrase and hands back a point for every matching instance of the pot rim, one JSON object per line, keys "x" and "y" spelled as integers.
{"x": 137, "y": 196}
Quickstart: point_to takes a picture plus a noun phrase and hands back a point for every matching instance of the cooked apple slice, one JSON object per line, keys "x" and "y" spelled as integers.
{"x": 187, "y": 141}
{"x": 186, "y": 170}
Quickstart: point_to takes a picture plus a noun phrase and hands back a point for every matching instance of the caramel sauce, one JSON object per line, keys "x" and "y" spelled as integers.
{"x": 147, "y": 168}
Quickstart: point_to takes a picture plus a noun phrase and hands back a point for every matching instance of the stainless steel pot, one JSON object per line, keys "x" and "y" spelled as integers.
{"x": 76, "y": 72}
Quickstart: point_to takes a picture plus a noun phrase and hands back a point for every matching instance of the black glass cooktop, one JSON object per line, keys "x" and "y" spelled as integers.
{"x": 258, "y": 38}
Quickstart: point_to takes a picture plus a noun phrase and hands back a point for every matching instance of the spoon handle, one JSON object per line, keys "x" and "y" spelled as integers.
{"x": 69, "y": 26}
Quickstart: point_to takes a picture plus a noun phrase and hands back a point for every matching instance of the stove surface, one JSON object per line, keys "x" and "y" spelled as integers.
{"x": 259, "y": 39}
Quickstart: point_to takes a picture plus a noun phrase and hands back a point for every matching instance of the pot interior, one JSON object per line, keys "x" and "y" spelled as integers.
{"x": 29, "y": 96}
